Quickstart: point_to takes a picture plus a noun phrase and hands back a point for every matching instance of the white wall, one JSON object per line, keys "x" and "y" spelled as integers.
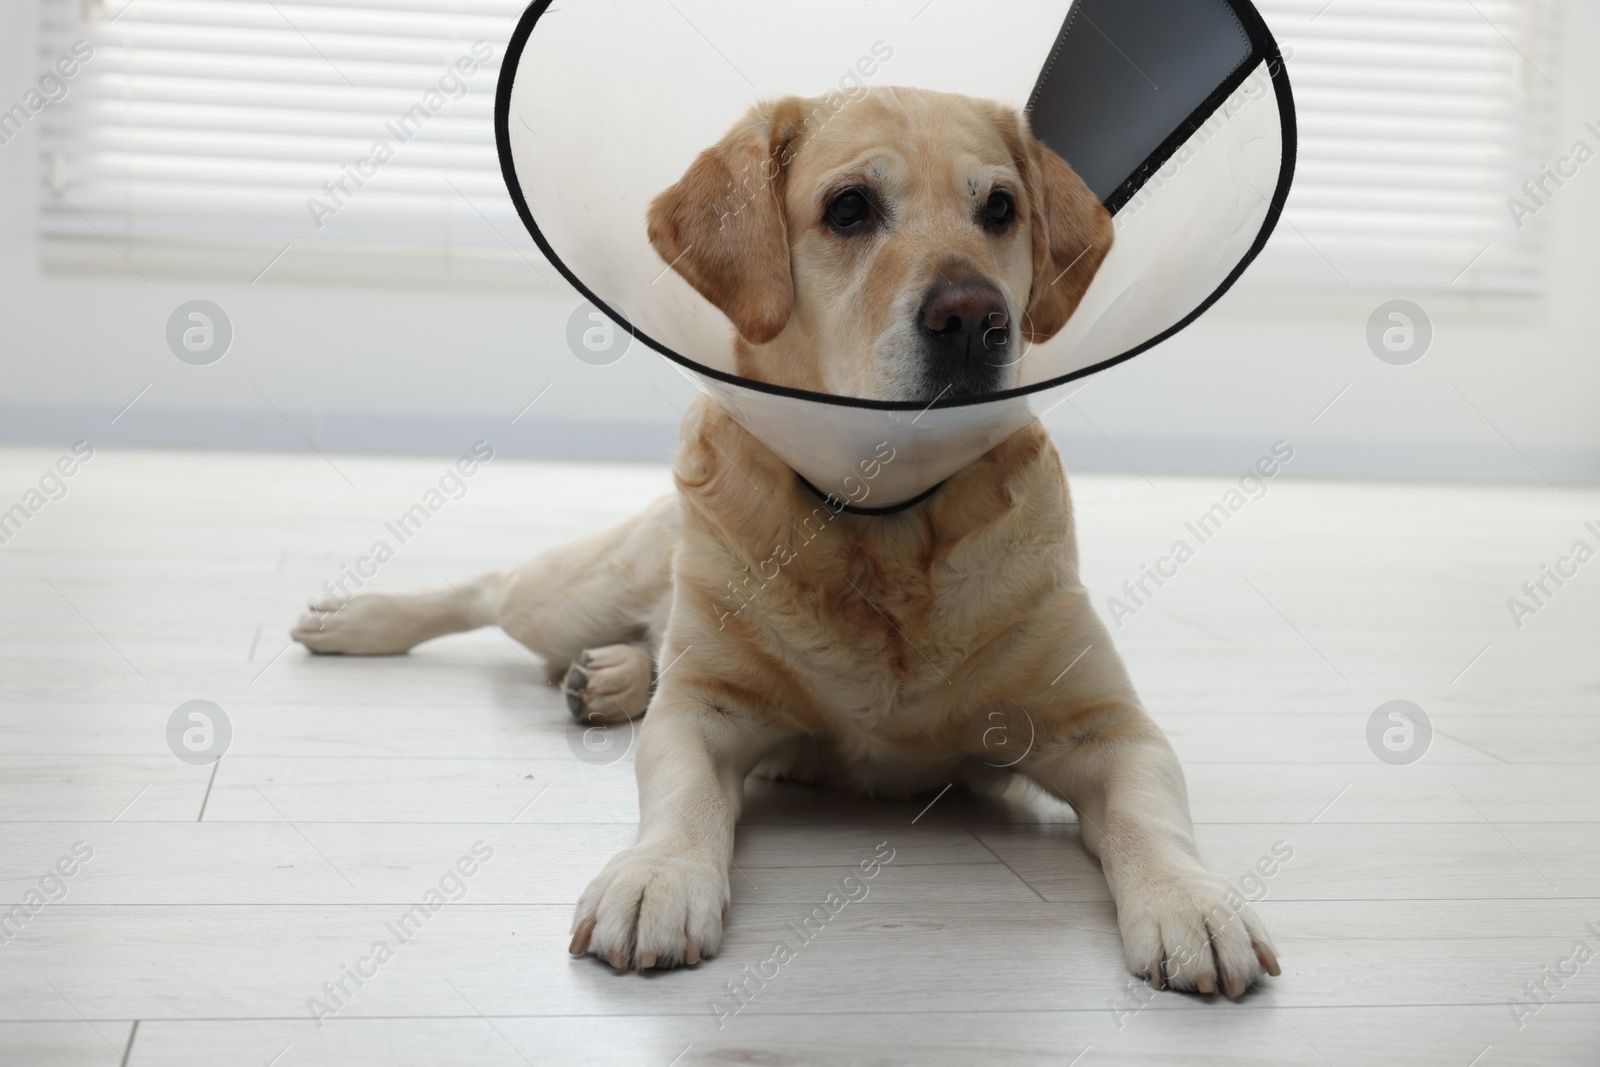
{"x": 420, "y": 369}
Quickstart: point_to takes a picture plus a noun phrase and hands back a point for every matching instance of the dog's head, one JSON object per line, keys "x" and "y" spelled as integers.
{"x": 897, "y": 245}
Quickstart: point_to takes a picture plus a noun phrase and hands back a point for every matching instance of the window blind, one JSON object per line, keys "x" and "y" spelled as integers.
{"x": 342, "y": 138}
{"x": 1418, "y": 120}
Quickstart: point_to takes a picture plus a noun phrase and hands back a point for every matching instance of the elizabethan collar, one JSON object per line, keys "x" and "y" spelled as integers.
{"x": 1176, "y": 113}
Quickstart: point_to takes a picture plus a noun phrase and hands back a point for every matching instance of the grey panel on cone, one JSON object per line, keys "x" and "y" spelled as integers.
{"x": 1126, "y": 75}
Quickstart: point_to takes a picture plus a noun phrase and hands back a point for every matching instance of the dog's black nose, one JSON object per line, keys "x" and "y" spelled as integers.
{"x": 967, "y": 331}
{"x": 969, "y": 316}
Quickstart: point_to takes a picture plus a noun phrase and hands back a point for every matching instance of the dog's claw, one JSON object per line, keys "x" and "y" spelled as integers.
{"x": 580, "y": 938}
{"x": 573, "y": 686}
{"x": 1269, "y": 961}
{"x": 691, "y": 955}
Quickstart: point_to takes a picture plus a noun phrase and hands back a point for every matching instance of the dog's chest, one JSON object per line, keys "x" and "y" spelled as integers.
{"x": 885, "y": 622}
{"x": 870, "y": 630}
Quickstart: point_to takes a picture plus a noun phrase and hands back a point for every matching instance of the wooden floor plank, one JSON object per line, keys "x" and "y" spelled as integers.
{"x": 268, "y": 961}
{"x": 1256, "y": 1036}
{"x": 64, "y": 1044}
{"x": 541, "y": 728}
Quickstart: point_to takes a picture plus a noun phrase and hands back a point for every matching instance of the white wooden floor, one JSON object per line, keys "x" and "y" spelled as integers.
{"x": 1418, "y": 903}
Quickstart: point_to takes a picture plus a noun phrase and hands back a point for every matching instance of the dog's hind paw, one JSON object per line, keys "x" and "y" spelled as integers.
{"x": 368, "y": 624}
{"x": 609, "y": 684}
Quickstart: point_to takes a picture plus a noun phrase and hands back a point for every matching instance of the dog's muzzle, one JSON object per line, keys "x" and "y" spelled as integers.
{"x": 966, "y": 336}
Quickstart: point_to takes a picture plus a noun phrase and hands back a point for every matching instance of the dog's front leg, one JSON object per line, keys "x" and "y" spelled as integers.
{"x": 1182, "y": 925}
{"x": 662, "y": 902}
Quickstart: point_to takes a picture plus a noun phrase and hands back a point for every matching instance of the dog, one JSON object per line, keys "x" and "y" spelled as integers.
{"x": 906, "y": 246}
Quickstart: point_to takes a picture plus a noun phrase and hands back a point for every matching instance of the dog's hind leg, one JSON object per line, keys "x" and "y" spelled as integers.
{"x": 596, "y": 609}
{"x": 376, "y": 623}
{"x": 597, "y": 605}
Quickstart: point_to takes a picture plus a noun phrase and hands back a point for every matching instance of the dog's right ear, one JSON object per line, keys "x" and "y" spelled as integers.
{"x": 722, "y": 226}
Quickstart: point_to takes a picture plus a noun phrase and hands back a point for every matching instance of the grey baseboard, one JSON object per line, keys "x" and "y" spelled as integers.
{"x": 548, "y": 437}
{"x": 358, "y": 433}
{"x": 1335, "y": 458}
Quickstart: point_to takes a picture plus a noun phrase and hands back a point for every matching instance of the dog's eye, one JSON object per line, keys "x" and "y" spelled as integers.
{"x": 1000, "y": 210}
{"x": 850, "y": 211}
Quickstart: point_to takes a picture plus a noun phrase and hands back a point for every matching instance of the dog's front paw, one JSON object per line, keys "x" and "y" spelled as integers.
{"x": 653, "y": 907}
{"x": 1191, "y": 930}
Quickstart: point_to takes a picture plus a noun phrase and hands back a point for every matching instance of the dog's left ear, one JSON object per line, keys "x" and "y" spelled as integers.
{"x": 722, "y": 226}
{"x": 1072, "y": 233}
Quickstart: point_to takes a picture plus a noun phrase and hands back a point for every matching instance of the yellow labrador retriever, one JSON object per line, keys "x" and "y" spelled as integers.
{"x": 906, "y": 247}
